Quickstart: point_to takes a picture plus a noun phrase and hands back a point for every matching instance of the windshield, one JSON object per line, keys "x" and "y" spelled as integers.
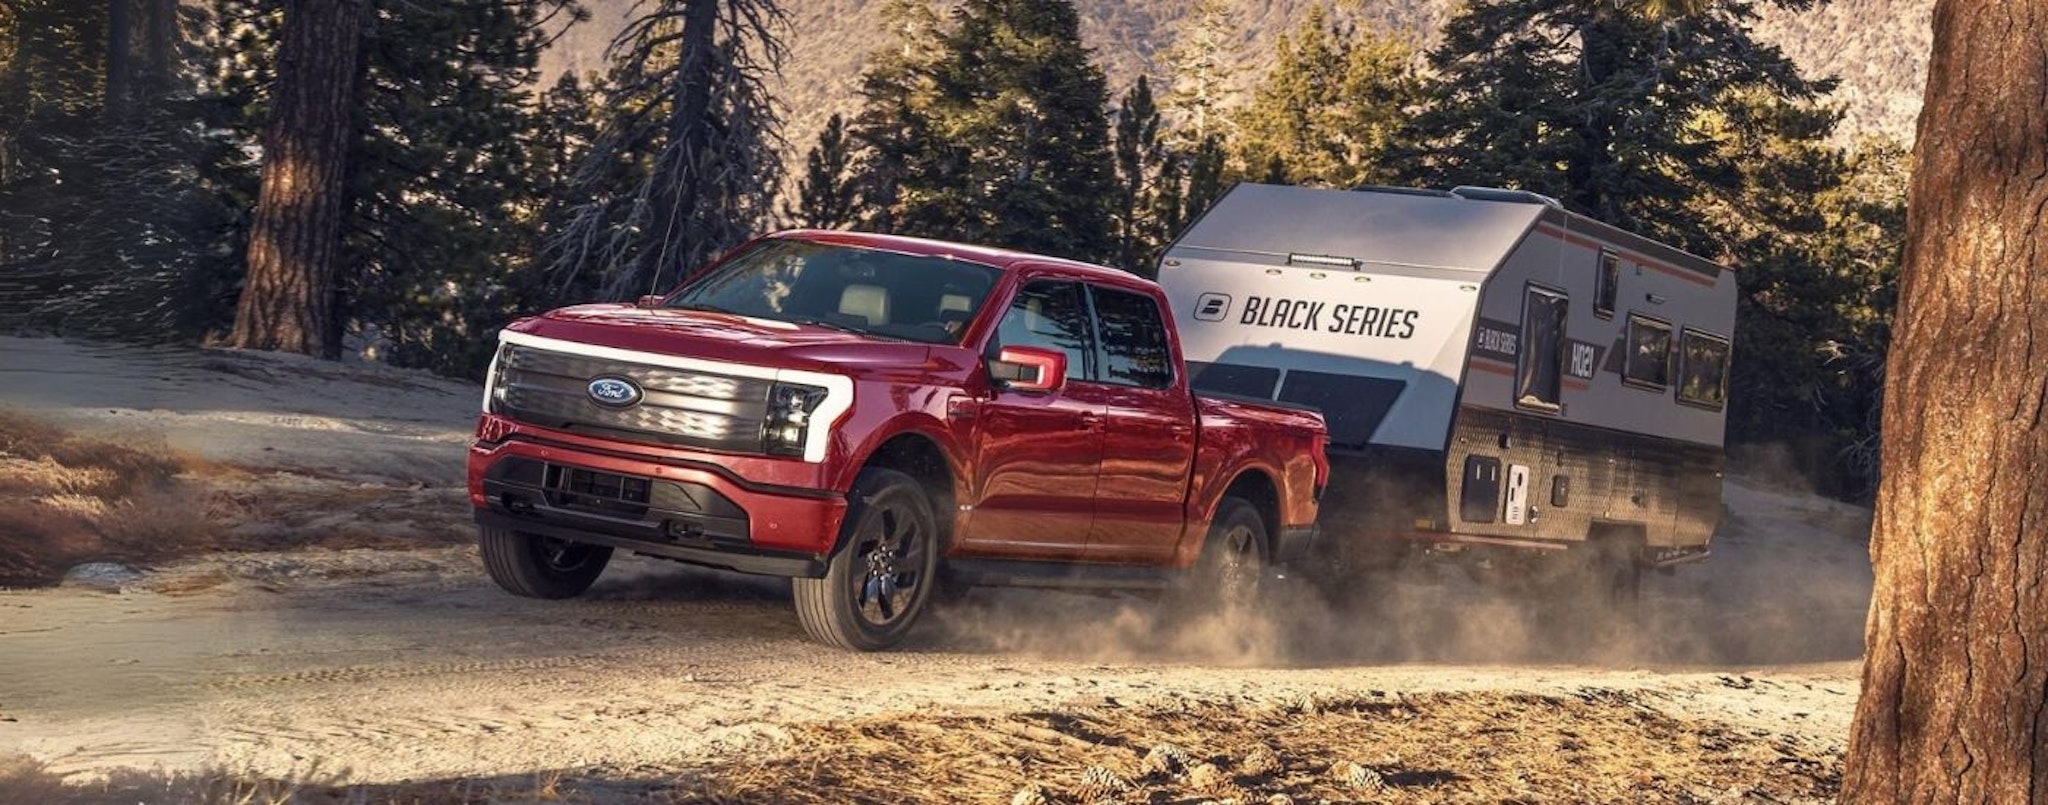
{"x": 928, "y": 299}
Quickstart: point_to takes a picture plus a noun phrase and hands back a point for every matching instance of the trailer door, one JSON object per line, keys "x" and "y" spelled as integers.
{"x": 1539, "y": 379}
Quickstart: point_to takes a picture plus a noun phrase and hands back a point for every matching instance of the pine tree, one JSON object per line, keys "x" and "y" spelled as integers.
{"x": 1669, "y": 119}
{"x": 450, "y": 169}
{"x": 445, "y": 193}
{"x": 287, "y": 300}
{"x": 1207, "y": 169}
{"x": 1598, "y": 104}
{"x": 827, "y": 196}
{"x": 1954, "y": 700}
{"x": 687, "y": 100}
{"x": 1820, "y": 237}
{"x": 100, "y": 209}
{"x": 1330, "y": 109}
{"x": 995, "y": 133}
{"x": 1143, "y": 177}
{"x": 1200, "y": 66}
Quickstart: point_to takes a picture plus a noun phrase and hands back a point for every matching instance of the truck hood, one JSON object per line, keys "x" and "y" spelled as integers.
{"x": 723, "y": 337}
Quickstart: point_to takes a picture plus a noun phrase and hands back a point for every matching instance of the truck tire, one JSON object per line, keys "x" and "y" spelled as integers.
{"x": 1229, "y": 577}
{"x": 540, "y": 567}
{"x": 880, "y": 579}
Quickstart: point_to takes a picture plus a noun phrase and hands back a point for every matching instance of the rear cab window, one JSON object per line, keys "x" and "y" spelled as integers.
{"x": 1133, "y": 350}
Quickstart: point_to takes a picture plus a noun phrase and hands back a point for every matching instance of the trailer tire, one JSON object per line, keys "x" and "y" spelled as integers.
{"x": 532, "y": 566}
{"x": 879, "y": 580}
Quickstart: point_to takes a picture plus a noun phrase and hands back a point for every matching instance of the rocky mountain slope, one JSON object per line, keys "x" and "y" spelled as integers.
{"x": 1878, "y": 48}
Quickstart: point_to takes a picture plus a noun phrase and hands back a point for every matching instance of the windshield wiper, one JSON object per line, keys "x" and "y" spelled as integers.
{"x": 699, "y": 306}
{"x": 816, "y": 321}
{"x": 828, "y": 324}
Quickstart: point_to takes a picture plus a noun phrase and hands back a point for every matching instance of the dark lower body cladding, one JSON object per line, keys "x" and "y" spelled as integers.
{"x": 690, "y": 520}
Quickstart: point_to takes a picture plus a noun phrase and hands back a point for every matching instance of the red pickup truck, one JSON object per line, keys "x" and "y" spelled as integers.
{"x": 869, "y": 415}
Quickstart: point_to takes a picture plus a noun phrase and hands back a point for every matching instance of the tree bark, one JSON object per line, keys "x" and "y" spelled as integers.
{"x": 120, "y": 58}
{"x": 160, "y": 40}
{"x": 1955, "y": 680}
{"x": 287, "y": 300}
{"x": 690, "y": 136}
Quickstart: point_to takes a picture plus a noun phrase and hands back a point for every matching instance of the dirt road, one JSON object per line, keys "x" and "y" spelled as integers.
{"x": 377, "y": 666}
{"x": 382, "y": 666}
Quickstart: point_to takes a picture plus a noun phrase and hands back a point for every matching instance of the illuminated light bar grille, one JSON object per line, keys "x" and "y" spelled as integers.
{"x": 682, "y": 408}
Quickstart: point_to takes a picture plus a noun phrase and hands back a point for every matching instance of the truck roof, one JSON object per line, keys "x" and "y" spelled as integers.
{"x": 1003, "y": 259}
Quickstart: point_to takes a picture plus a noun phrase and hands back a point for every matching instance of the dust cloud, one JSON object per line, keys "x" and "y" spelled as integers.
{"x": 1788, "y": 583}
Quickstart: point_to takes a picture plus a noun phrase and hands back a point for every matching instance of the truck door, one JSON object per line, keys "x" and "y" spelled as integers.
{"x": 1148, "y": 446}
{"x": 1038, "y": 454}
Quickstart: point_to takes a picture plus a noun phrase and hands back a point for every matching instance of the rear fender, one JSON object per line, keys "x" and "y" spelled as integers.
{"x": 1240, "y": 438}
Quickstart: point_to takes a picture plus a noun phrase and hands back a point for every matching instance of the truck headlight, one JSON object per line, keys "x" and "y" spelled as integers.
{"x": 494, "y": 380}
{"x": 790, "y": 406}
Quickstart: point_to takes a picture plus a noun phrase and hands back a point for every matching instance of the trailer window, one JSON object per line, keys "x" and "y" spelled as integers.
{"x": 1050, "y": 314}
{"x": 1648, "y": 362}
{"x": 1133, "y": 340}
{"x": 1538, "y": 381}
{"x": 1607, "y": 284}
{"x": 1703, "y": 370}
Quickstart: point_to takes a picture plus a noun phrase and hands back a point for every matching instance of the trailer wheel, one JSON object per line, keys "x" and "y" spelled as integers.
{"x": 540, "y": 567}
{"x": 878, "y": 582}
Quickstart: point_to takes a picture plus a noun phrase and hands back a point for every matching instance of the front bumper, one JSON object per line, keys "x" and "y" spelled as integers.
{"x": 691, "y": 510}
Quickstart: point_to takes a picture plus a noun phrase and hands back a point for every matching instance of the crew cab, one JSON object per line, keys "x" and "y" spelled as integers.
{"x": 871, "y": 416}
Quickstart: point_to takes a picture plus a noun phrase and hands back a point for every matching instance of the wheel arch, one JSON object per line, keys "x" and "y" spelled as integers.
{"x": 922, "y": 456}
{"x": 1257, "y": 486}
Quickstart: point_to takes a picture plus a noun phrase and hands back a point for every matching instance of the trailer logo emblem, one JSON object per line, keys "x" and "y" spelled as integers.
{"x": 614, "y": 392}
{"x": 1212, "y": 307}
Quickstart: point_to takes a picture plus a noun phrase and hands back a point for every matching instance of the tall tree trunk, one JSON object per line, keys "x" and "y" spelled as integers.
{"x": 1955, "y": 678}
{"x": 1602, "y": 40}
{"x": 120, "y": 58}
{"x": 160, "y": 40}
{"x": 690, "y": 137}
{"x": 287, "y": 300}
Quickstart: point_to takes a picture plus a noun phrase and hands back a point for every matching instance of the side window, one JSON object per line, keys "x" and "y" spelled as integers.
{"x": 1703, "y": 370}
{"x": 1050, "y": 314}
{"x": 1648, "y": 362}
{"x": 1607, "y": 285}
{"x": 1133, "y": 344}
{"x": 1538, "y": 379}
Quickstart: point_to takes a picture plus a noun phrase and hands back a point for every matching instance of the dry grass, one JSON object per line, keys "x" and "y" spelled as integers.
{"x": 74, "y": 498}
{"x": 1594, "y": 746}
{"x": 1598, "y": 746}
{"x": 130, "y": 498}
{"x": 25, "y": 780}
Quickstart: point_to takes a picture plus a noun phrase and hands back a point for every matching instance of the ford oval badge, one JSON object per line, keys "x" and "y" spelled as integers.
{"x": 614, "y": 392}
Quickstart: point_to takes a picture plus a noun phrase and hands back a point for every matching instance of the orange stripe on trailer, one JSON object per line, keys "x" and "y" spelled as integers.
{"x": 1693, "y": 277}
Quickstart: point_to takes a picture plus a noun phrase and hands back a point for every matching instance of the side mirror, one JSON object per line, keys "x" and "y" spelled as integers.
{"x": 649, "y": 302}
{"x": 1029, "y": 369}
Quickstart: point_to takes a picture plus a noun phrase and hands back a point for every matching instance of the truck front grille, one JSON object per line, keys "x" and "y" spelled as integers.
{"x": 692, "y": 409}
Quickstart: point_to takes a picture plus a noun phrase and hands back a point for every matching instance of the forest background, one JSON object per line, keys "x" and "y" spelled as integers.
{"x": 499, "y": 157}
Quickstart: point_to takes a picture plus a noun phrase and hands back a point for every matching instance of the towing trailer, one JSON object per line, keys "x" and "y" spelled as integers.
{"x": 1495, "y": 370}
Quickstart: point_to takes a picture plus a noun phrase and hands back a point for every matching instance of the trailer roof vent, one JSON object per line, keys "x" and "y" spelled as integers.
{"x": 1499, "y": 194}
{"x": 1299, "y": 259}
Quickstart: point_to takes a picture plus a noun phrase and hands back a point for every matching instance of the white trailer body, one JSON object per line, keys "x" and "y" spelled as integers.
{"x": 1494, "y": 369}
